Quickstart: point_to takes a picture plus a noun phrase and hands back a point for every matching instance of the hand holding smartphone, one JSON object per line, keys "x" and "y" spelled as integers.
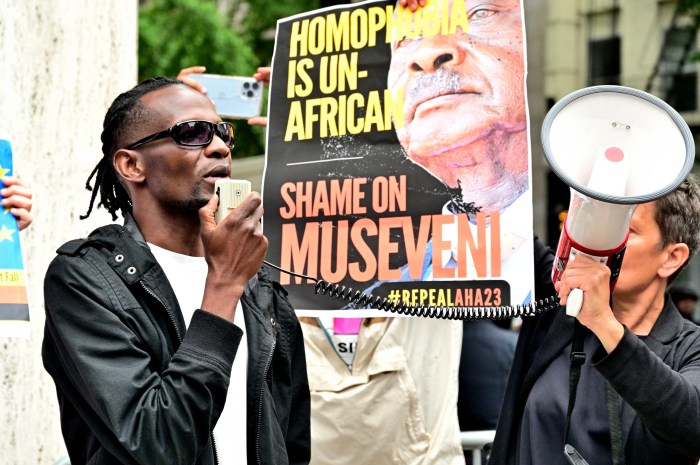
{"x": 235, "y": 97}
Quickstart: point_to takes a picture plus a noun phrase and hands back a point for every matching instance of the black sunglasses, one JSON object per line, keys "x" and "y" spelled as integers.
{"x": 193, "y": 134}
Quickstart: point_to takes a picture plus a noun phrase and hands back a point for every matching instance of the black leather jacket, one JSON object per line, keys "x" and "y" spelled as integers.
{"x": 135, "y": 387}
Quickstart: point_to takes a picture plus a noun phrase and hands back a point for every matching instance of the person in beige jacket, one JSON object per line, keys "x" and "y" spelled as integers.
{"x": 395, "y": 403}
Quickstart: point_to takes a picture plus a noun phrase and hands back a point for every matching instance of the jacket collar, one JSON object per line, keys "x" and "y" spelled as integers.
{"x": 669, "y": 325}
{"x": 665, "y": 330}
{"x": 130, "y": 259}
{"x": 133, "y": 228}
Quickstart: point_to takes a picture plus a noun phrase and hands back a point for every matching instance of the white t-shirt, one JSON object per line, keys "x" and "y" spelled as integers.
{"x": 187, "y": 276}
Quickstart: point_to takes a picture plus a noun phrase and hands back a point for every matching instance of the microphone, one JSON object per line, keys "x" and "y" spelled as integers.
{"x": 231, "y": 193}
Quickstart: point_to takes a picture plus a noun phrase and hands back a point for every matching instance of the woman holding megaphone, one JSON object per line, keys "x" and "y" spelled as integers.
{"x": 637, "y": 398}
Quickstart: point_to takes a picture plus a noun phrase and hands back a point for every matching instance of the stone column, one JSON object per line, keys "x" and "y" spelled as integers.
{"x": 62, "y": 62}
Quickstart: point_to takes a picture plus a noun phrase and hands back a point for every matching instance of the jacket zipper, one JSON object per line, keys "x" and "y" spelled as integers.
{"x": 167, "y": 310}
{"x": 216, "y": 453}
{"x": 260, "y": 404}
{"x": 179, "y": 340}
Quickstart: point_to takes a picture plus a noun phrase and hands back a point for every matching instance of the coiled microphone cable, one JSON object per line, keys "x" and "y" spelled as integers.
{"x": 363, "y": 300}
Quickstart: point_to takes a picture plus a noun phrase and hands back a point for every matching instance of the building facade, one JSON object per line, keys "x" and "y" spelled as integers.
{"x": 644, "y": 44}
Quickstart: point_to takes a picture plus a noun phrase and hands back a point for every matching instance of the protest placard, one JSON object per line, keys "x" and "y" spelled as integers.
{"x": 14, "y": 307}
{"x": 386, "y": 150}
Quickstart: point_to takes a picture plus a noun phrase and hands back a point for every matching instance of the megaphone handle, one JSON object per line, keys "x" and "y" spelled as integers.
{"x": 574, "y": 302}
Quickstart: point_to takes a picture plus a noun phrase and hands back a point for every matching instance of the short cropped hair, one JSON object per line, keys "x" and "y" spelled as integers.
{"x": 678, "y": 217}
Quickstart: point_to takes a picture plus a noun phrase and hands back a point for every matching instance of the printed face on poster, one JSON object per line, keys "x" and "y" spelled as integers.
{"x": 398, "y": 155}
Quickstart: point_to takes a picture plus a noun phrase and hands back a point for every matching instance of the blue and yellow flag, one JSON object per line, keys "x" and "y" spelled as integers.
{"x": 14, "y": 307}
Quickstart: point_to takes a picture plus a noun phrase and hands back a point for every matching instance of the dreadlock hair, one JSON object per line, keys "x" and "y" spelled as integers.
{"x": 123, "y": 114}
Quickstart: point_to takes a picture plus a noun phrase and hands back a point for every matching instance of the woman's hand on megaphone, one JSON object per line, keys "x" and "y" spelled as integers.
{"x": 593, "y": 278}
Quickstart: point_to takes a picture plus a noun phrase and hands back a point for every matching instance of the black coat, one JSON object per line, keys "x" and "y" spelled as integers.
{"x": 487, "y": 355}
{"x": 136, "y": 387}
{"x": 658, "y": 380}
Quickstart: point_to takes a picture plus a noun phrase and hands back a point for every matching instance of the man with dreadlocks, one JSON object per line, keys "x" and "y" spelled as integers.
{"x": 165, "y": 337}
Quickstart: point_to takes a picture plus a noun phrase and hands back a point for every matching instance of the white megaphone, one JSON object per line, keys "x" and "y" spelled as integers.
{"x": 616, "y": 147}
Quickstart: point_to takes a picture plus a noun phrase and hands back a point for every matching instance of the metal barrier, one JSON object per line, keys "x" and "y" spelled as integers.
{"x": 475, "y": 442}
{"x": 471, "y": 440}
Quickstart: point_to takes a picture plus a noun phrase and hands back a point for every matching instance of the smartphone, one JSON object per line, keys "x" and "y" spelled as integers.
{"x": 235, "y": 97}
{"x": 231, "y": 193}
